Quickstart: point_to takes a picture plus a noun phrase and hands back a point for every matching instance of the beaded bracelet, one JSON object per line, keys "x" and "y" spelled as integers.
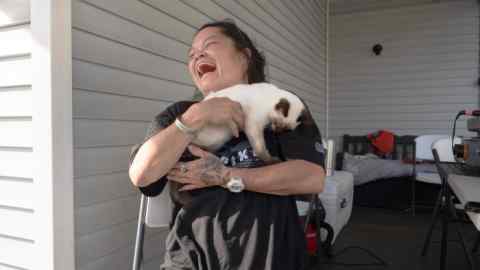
{"x": 185, "y": 129}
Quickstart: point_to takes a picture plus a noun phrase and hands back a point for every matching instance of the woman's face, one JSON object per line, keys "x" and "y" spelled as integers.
{"x": 214, "y": 61}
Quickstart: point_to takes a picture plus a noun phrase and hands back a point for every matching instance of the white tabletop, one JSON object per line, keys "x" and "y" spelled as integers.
{"x": 466, "y": 188}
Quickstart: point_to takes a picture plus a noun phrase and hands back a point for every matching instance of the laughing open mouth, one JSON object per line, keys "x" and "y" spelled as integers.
{"x": 204, "y": 68}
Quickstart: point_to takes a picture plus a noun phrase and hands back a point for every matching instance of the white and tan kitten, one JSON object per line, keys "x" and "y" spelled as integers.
{"x": 262, "y": 104}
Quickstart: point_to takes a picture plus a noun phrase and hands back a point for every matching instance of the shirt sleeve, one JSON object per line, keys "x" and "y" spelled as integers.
{"x": 305, "y": 142}
{"x": 161, "y": 121}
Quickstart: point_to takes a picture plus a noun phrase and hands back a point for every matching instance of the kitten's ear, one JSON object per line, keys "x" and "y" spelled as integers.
{"x": 283, "y": 106}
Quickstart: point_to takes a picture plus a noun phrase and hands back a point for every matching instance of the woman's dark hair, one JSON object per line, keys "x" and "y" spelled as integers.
{"x": 256, "y": 62}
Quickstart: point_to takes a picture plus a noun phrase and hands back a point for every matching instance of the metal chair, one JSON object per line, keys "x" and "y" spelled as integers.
{"x": 423, "y": 153}
{"x": 444, "y": 207}
{"x": 154, "y": 212}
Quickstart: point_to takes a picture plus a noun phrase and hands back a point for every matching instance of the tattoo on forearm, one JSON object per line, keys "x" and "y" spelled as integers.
{"x": 212, "y": 171}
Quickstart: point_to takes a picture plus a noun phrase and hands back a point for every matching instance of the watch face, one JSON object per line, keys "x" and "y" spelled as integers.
{"x": 235, "y": 185}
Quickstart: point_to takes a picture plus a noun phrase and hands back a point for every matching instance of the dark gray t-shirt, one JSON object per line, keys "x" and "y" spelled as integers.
{"x": 248, "y": 230}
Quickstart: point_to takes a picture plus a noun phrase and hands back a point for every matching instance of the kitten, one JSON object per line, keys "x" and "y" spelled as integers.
{"x": 262, "y": 104}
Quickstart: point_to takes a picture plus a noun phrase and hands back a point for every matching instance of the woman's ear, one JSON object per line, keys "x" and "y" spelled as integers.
{"x": 248, "y": 54}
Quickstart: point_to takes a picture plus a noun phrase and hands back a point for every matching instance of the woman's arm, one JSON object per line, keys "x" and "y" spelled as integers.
{"x": 285, "y": 178}
{"x": 160, "y": 153}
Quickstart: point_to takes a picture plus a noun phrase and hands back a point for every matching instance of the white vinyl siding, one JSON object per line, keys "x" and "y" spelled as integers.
{"x": 426, "y": 73}
{"x": 129, "y": 63}
{"x": 17, "y": 237}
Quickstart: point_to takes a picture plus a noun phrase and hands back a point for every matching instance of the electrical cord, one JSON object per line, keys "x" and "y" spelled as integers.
{"x": 317, "y": 213}
{"x": 460, "y": 113}
{"x": 380, "y": 261}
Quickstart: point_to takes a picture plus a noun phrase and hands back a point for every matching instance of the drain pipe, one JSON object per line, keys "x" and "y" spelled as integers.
{"x": 327, "y": 66}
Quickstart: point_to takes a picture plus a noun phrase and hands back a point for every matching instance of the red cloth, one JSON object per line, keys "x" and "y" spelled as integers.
{"x": 311, "y": 236}
{"x": 383, "y": 141}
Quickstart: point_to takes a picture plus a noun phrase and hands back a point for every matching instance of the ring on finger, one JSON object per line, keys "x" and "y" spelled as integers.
{"x": 183, "y": 168}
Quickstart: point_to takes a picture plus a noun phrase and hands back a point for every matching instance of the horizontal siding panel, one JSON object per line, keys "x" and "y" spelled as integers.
{"x": 426, "y": 108}
{"x": 16, "y": 102}
{"x": 406, "y": 63}
{"x": 15, "y": 71}
{"x": 285, "y": 77}
{"x": 458, "y": 74}
{"x": 94, "y": 105}
{"x": 416, "y": 47}
{"x": 409, "y": 117}
{"x": 14, "y": 252}
{"x": 16, "y": 162}
{"x": 303, "y": 17}
{"x": 16, "y": 133}
{"x": 283, "y": 23}
{"x": 16, "y": 192}
{"x": 14, "y": 12}
{"x": 410, "y": 36}
{"x": 15, "y": 41}
{"x": 107, "y": 52}
{"x": 106, "y": 242}
{"x": 92, "y": 19}
{"x": 402, "y": 25}
{"x": 404, "y": 84}
{"x": 180, "y": 11}
{"x": 96, "y": 217}
{"x": 268, "y": 20}
{"x": 122, "y": 259}
{"x": 386, "y": 101}
{"x": 105, "y": 160}
{"x": 17, "y": 223}
{"x": 429, "y": 10}
{"x": 112, "y": 132}
{"x": 348, "y": 6}
{"x": 418, "y": 125}
{"x": 418, "y": 92}
{"x": 299, "y": 51}
{"x": 104, "y": 79}
{"x": 288, "y": 19}
{"x": 102, "y": 188}
{"x": 143, "y": 14}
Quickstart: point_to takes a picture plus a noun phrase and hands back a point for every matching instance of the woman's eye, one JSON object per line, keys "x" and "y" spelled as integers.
{"x": 208, "y": 44}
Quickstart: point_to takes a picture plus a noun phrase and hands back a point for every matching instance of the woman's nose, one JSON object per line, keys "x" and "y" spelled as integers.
{"x": 199, "y": 54}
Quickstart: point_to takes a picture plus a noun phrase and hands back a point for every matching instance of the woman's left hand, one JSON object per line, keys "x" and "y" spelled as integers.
{"x": 206, "y": 171}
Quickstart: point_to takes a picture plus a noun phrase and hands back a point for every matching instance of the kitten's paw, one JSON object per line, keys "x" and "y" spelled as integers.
{"x": 264, "y": 155}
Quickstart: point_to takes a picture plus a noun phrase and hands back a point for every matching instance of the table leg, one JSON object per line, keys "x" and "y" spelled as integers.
{"x": 477, "y": 243}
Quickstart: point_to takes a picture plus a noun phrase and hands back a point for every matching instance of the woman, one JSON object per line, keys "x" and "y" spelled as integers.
{"x": 243, "y": 213}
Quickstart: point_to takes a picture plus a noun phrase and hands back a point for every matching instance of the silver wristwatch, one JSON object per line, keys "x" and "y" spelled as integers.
{"x": 235, "y": 184}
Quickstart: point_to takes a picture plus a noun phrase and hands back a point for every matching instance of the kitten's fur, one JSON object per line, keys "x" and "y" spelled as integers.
{"x": 262, "y": 104}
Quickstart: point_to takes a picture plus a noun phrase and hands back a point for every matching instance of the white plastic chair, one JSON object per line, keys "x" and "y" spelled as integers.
{"x": 154, "y": 212}
{"x": 423, "y": 152}
{"x": 444, "y": 210}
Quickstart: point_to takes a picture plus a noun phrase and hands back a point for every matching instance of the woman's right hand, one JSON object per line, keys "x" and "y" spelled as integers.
{"x": 215, "y": 111}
